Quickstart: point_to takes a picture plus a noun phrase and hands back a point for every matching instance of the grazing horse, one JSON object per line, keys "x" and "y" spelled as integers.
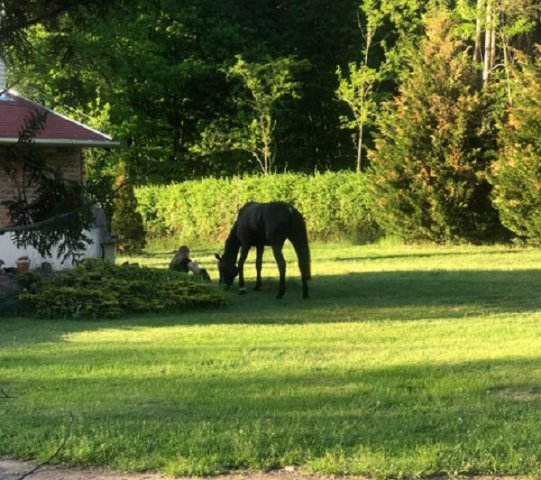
{"x": 260, "y": 224}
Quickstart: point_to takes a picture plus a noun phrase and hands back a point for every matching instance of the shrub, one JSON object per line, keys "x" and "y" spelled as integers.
{"x": 334, "y": 205}
{"x": 127, "y": 222}
{"x": 96, "y": 289}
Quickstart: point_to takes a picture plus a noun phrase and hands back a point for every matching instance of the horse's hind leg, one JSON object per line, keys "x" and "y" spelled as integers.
{"x": 258, "y": 265}
{"x": 281, "y": 262}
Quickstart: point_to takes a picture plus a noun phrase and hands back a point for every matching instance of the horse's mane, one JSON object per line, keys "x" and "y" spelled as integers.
{"x": 232, "y": 244}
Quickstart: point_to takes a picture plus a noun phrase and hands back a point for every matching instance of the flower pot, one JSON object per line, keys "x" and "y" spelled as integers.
{"x": 23, "y": 265}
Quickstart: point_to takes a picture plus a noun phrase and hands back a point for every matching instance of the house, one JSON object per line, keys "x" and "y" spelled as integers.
{"x": 63, "y": 142}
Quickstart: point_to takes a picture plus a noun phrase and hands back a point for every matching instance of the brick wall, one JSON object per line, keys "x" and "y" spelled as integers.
{"x": 70, "y": 161}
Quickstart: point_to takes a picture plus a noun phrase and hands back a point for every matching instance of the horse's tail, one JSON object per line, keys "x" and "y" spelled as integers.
{"x": 299, "y": 239}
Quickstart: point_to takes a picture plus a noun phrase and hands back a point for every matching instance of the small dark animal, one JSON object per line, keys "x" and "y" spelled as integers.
{"x": 260, "y": 224}
{"x": 182, "y": 262}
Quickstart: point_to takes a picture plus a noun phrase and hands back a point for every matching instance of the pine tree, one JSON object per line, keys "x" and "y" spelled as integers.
{"x": 126, "y": 221}
{"x": 436, "y": 141}
{"x": 517, "y": 173}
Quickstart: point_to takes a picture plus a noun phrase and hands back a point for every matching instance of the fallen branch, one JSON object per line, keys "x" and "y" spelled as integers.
{"x": 67, "y": 435}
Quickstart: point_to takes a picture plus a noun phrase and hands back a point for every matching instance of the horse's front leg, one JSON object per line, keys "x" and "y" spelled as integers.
{"x": 244, "y": 249}
{"x": 281, "y": 262}
{"x": 258, "y": 265}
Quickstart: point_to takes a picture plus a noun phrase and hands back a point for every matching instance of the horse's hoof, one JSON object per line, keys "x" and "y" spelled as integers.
{"x": 243, "y": 291}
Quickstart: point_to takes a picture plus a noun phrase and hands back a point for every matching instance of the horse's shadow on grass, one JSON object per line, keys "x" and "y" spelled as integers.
{"x": 398, "y": 295}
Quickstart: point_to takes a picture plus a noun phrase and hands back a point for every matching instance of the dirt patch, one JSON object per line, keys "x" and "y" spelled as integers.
{"x": 13, "y": 470}
{"x": 518, "y": 394}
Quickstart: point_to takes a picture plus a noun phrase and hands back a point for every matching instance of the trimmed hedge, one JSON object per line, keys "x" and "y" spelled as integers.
{"x": 334, "y": 205}
{"x": 97, "y": 289}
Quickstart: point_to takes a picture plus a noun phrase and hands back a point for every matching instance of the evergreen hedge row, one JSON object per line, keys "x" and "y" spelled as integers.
{"x": 334, "y": 205}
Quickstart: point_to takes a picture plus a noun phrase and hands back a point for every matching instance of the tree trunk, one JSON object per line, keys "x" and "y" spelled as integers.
{"x": 360, "y": 147}
{"x": 490, "y": 42}
{"x": 477, "y": 52}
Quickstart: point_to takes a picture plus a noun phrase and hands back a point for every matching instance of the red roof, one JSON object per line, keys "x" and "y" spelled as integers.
{"x": 58, "y": 130}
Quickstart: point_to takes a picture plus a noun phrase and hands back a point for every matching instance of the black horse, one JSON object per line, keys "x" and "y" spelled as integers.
{"x": 260, "y": 224}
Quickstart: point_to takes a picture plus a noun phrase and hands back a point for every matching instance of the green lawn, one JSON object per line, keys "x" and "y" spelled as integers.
{"x": 405, "y": 362}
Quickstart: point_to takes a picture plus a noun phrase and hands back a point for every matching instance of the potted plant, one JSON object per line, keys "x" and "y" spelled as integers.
{"x": 23, "y": 264}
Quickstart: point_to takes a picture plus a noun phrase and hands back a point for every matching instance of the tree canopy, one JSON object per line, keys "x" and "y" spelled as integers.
{"x": 204, "y": 88}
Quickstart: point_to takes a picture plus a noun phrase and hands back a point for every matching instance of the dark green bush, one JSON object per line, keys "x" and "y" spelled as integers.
{"x": 96, "y": 289}
{"x": 334, "y": 205}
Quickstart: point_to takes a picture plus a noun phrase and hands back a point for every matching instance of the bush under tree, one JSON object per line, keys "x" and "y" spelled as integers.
{"x": 334, "y": 206}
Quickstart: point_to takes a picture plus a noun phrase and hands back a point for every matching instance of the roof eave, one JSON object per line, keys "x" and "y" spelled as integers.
{"x": 61, "y": 142}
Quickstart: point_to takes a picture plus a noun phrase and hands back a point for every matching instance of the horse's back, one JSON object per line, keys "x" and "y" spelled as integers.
{"x": 265, "y": 222}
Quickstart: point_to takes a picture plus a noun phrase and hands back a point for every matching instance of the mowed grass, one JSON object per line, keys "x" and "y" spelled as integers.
{"x": 405, "y": 362}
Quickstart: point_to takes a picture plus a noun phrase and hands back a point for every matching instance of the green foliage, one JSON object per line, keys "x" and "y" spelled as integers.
{"x": 157, "y": 89}
{"x": 334, "y": 205}
{"x": 360, "y": 82}
{"x": 126, "y": 221}
{"x": 436, "y": 141}
{"x": 253, "y": 130}
{"x": 97, "y": 289}
{"x": 516, "y": 175}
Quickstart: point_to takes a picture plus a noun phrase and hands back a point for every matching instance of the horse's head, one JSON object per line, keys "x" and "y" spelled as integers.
{"x": 228, "y": 270}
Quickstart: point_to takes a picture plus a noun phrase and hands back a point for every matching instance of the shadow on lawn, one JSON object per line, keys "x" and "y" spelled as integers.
{"x": 457, "y": 412}
{"x": 402, "y": 295}
{"x": 417, "y": 255}
{"x": 354, "y": 297}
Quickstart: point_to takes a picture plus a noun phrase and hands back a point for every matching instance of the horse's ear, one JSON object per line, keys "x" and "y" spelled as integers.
{"x": 217, "y": 257}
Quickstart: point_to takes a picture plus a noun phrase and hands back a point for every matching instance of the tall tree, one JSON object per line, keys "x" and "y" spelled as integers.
{"x": 48, "y": 210}
{"x": 356, "y": 86}
{"x": 158, "y": 67}
{"x": 16, "y": 17}
{"x": 436, "y": 141}
{"x": 501, "y": 27}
